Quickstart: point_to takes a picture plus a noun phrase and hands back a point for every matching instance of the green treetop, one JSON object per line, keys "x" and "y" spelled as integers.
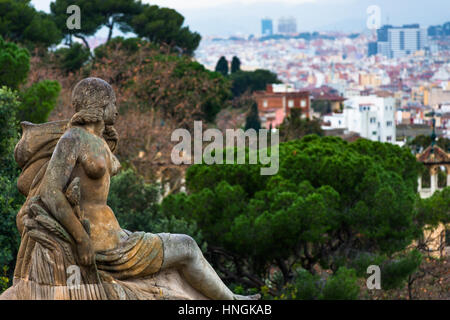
{"x": 14, "y": 64}
{"x": 235, "y": 64}
{"x": 222, "y": 66}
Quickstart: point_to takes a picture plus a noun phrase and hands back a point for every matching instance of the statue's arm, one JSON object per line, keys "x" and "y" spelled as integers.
{"x": 56, "y": 178}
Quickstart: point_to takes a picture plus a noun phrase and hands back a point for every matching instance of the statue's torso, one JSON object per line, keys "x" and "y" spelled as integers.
{"x": 95, "y": 165}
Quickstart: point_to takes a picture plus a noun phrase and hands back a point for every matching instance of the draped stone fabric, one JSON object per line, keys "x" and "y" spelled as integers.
{"x": 140, "y": 255}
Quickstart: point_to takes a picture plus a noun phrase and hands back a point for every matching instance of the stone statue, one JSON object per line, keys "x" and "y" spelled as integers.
{"x": 72, "y": 246}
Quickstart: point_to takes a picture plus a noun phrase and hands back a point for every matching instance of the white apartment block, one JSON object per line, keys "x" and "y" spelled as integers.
{"x": 371, "y": 117}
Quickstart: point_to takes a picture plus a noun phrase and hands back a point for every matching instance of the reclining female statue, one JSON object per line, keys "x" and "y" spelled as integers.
{"x": 72, "y": 246}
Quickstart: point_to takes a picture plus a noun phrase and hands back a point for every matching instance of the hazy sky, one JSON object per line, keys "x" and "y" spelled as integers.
{"x": 230, "y": 17}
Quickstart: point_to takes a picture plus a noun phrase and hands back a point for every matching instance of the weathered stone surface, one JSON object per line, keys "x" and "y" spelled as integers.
{"x": 165, "y": 285}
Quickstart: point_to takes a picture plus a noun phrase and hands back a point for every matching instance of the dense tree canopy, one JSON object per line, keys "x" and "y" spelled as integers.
{"x": 20, "y": 22}
{"x": 235, "y": 64}
{"x": 252, "y": 121}
{"x": 38, "y": 101}
{"x": 14, "y": 64}
{"x": 10, "y": 198}
{"x": 252, "y": 81}
{"x": 71, "y": 59}
{"x": 330, "y": 202}
{"x": 421, "y": 142}
{"x": 92, "y": 19}
{"x": 164, "y": 25}
{"x": 222, "y": 66}
{"x": 296, "y": 127}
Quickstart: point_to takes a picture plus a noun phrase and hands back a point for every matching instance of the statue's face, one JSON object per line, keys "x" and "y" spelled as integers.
{"x": 111, "y": 113}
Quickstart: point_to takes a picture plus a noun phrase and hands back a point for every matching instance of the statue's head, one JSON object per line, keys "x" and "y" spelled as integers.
{"x": 94, "y": 100}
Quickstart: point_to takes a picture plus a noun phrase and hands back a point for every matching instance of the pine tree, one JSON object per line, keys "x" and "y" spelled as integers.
{"x": 235, "y": 64}
{"x": 222, "y": 66}
{"x": 252, "y": 120}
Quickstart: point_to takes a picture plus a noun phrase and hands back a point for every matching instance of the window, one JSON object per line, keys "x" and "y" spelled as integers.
{"x": 374, "y": 133}
{"x": 388, "y": 138}
{"x": 303, "y": 103}
{"x": 290, "y": 103}
{"x": 373, "y": 120}
{"x": 265, "y": 104}
{"x": 389, "y": 123}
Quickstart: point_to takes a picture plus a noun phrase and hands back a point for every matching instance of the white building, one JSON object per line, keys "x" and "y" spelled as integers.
{"x": 371, "y": 117}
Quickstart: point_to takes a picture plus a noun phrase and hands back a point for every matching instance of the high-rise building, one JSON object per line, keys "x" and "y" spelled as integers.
{"x": 287, "y": 25}
{"x": 372, "y": 49}
{"x": 395, "y": 42}
{"x": 266, "y": 27}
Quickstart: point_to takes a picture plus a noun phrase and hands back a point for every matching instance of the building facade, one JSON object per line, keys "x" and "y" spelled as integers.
{"x": 275, "y": 103}
{"x": 266, "y": 27}
{"x": 370, "y": 116}
{"x": 287, "y": 25}
{"x": 397, "y": 42}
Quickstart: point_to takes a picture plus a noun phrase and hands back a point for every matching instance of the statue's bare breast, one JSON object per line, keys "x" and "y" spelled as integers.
{"x": 94, "y": 168}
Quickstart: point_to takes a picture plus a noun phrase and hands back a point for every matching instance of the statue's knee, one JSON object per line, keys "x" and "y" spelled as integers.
{"x": 189, "y": 245}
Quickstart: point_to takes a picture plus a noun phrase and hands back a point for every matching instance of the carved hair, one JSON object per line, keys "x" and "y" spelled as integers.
{"x": 90, "y": 98}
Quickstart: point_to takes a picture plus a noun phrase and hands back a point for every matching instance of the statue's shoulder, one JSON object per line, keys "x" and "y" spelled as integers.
{"x": 72, "y": 134}
{"x": 38, "y": 140}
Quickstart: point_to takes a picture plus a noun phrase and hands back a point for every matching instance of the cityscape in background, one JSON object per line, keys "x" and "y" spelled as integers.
{"x": 386, "y": 84}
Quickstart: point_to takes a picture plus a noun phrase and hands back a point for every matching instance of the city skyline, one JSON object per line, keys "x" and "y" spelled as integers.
{"x": 243, "y": 17}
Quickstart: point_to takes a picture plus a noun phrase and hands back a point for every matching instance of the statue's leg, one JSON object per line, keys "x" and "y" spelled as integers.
{"x": 182, "y": 252}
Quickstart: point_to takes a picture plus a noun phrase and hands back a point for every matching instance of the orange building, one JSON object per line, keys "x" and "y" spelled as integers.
{"x": 275, "y": 104}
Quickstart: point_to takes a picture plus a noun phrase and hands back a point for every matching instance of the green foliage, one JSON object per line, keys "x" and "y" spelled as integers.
{"x": 164, "y": 25}
{"x": 14, "y": 64}
{"x": 222, "y": 66}
{"x": 38, "y": 100}
{"x": 235, "y": 64}
{"x": 251, "y": 80}
{"x": 343, "y": 285}
{"x": 252, "y": 121}
{"x": 9, "y": 135}
{"x": 4, "y": 280}
{"x": 296, "y": 127}
{"x": 20, "y": 22}
{"x": 395, "y": 272}
{"x": 73, "y": 58}
{"x": 92, "y": 18}
{"x": 330, "y": 201}
{"x": 10, "y": 198}
{"x": 435, "y": 209}
{"x": 135, "y": 204}
{"x": 118, "y": 13}
{"x": 306, "y": 286}
{"x": 423, "y": 141}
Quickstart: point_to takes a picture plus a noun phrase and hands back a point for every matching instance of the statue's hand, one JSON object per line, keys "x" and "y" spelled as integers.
{"x": 86, "y": 253}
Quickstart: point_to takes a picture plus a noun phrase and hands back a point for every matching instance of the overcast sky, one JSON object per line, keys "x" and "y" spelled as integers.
{"x": 231, "y": 17}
